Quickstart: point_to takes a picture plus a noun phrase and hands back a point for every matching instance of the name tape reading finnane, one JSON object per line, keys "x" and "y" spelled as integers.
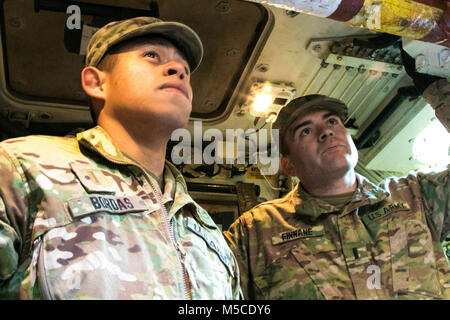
{"x": 282, "y": 237}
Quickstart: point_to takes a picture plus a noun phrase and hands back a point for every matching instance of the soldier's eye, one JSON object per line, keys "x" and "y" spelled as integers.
{"x": 305, "y": 132}
{"x": 333, "y": 121}
{"x": 152, "y": 54}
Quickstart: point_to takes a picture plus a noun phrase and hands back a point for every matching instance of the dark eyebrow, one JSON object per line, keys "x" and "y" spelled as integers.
{"x": 307, "y": 122}
{"x": 151, "y": 45}
{"x": 301, "y": 124}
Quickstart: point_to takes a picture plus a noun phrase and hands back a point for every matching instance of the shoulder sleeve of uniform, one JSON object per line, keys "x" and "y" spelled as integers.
{"x": 13, "y": 216}
{"x": 239, "y": 238}
{"x": 236, "y": 282}
{"x": 435, "y": 191}
{"x": 438, "y": 96}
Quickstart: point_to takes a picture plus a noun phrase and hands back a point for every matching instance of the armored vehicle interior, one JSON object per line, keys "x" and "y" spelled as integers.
{"x": 259, "y": 55}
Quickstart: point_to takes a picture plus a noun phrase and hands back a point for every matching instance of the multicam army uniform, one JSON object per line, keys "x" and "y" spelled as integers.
{"x": 300, "y": 247}
{"x": 385, "y": 244}
{"x": 79, "y": 220}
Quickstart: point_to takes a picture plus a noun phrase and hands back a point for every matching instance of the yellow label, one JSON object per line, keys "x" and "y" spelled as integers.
{"x": 401, "y": 17}
{"x": 253, "y": 172}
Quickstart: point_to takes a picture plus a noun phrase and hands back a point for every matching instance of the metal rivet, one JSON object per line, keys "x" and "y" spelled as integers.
{"x": 210, "y": 104}
{"x": 262, "y": 67}
{"x": 223, "y": 7}
{"x": 45, "y": 116}
{"x": 232, "y": 52}
{"x": 15, "y": 22}
{"x": 317, "y": 48}
{"x": 291, "y": 13}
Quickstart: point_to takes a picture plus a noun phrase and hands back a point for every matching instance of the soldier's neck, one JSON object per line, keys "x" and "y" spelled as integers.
{"x": 146, "y": 147}
{"x": 326, "y": 186}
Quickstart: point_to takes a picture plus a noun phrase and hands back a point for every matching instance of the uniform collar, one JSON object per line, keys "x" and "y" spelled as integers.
{"x": 181, "y": 197}
{"x": 366, "y": 194}
{"x": 312, "y": 208}
{"x": 99, "y": 141}
{"x": 175, "y": 187}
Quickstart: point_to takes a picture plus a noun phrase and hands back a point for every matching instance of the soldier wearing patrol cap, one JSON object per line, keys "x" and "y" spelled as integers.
{"x": 102, "y": 215}
{"x": 336, "y": 235}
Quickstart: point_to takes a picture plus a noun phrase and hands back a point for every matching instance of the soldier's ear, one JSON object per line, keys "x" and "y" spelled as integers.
{"x": 93, "y": 82}
{"x": 288, "y": 166}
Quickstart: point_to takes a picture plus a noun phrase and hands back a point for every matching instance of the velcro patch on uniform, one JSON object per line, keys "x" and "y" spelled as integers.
{"x": 308, "y": 232}
{"x": 201, "y": 232}
{"x": 93, "y": 180}
{"x": 386, "y": 210}
{"x": 88, "y": 204}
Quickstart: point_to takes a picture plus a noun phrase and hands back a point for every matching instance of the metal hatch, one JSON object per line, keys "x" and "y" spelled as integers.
{"x": 41, "y": 78}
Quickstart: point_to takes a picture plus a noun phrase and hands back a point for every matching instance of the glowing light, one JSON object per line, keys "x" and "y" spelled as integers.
{"x": 267, "y": 88}
{"x": 432, "y": 145}
{"x": 262, "y": 101}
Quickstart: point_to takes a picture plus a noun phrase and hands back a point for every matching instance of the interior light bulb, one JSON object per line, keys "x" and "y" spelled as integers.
{"x": 262, "y": 101}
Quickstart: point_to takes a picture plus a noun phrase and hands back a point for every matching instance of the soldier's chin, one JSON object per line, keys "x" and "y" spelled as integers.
{"x": 339, "y": 168}
{"x": 175, "y": 121}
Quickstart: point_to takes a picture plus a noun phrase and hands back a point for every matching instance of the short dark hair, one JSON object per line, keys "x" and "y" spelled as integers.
{"x": 107, "y": 63}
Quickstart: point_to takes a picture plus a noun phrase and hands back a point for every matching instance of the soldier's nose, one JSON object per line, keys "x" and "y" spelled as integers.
{"x": 325, "y": 133}
{"x": 173, "y": 71}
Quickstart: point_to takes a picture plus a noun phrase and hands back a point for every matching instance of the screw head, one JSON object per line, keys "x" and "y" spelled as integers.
{"x": 210, "y": 104}
{"x": 232, "y": 52}
{"x": 291, "y": 13}
{"x": 317, "y": 48}
{"x": 262, "y": 68}
{"x": 323, "y": 64}
{"x": 223, "y": 7}
{"x": 15, "y": 22}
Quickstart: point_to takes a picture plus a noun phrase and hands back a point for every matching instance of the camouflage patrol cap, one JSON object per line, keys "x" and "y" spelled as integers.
{"x": 302, "y": 105}
{"x": 182, "y": 37}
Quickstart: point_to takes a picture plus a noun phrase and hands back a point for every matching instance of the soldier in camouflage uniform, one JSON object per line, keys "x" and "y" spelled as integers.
{"x": 102, "y": 215}
{"x": 336, "y": 235}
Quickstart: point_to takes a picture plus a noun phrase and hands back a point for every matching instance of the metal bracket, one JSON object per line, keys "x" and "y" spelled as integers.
{"x": 22, "y": 117}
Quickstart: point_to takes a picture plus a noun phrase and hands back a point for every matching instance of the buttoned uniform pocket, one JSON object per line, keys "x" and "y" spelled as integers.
{"x": 281, "y": 276}
{"x": 413, "y": 260}
{"x": 82, "y": 239}
{"x": 303, "y": 263}
{"x": 126, "y": 254}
